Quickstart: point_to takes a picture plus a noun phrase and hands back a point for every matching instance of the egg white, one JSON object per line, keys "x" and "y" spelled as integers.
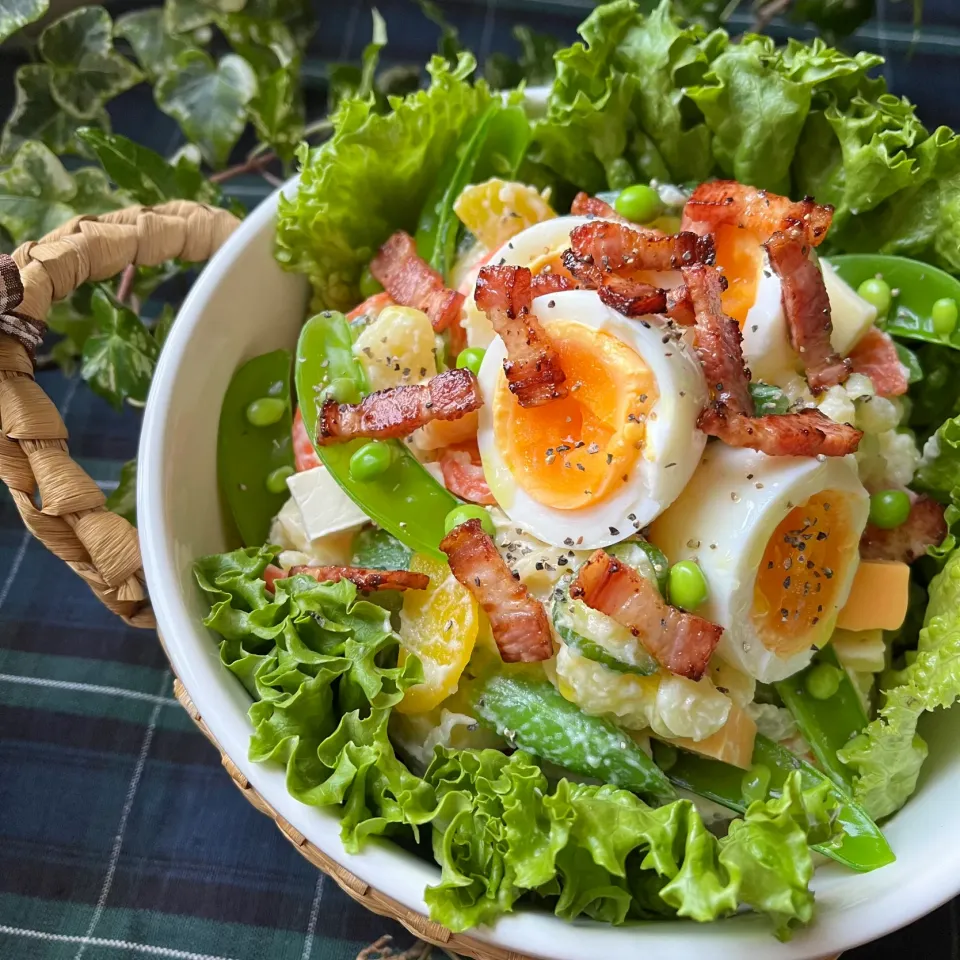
{"x": 525, "y": 249}
{"x": 671, "y": 435}
{"x": 724, "y": 519}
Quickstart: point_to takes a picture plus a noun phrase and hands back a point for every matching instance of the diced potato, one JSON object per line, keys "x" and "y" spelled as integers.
{"x": 496, "y": 210}
{"x": 397, "y": 348}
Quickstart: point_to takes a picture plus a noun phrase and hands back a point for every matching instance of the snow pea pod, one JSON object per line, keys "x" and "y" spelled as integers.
{"x": 918, "y": 287}
{"x": 247, "y": 453}
{"x": 529, "y": 711}
{"x": 863, "y": 847}
{"x": 827, "y": 725}
{"x": 405, "y": 500}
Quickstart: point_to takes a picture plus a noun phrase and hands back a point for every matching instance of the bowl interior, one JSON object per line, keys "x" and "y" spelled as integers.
{"x": 243, "y": 305}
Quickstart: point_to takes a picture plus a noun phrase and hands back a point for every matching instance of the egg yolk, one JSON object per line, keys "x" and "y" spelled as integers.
{"x": 573, "y": 452}
{"x": 795, "y": 594}
{"x": 740, "y": 255}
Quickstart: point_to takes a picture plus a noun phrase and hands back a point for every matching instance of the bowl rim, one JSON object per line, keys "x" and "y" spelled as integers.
{"x": 894, "y": 903}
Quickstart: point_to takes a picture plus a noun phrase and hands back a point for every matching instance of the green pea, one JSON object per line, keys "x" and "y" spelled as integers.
{"x": 639, "y": 203}
{"x": 277, "y": 479}
{"x": 944, "y": 316}
{"x": 266, "y": 411}
{"x": 664, "y": 755}
{"x": 889, "y": 509}
{"x": 877, "y": 292}
{"x": 755, "y": 783}
{"x": 343, "y": 390}
{"x": 823, "y": 681}
{"x": 467, "y": 512}
{"x": 470, "y": 359}
{"x": 371, "y": 460}
{"x": 369, "y": 284}
{"x": 686, "y": 585}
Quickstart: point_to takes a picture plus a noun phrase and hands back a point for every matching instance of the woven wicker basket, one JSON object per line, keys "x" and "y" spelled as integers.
{"x": 72, "y": 521}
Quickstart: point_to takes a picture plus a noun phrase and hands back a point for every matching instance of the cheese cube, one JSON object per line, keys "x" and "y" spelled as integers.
{"x": 325, "y": 508}
{"x": 852, "y": 316}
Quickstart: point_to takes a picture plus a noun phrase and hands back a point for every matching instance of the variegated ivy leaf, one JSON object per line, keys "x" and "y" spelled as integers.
{"x": 208, "y": 100}
{"x": 182, "y": 16}
{"x": 277, "y": 112}
{"x": 120, "y": 356}
{"x": 16, "y": 14}
{"x": 37, "y": 193}
{"x": 37, "y": 116}
{"x": 123, "y": 500}
{"x": 146, "y": 176}
{"x": 86, "y": 71}
{"x": 153, "y": 45}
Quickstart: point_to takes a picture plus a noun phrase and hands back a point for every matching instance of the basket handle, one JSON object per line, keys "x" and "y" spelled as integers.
{"x": 72, "y": 520}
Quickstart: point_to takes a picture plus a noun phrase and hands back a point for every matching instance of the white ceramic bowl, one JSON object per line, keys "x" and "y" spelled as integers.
{"x": 243, "y": 305}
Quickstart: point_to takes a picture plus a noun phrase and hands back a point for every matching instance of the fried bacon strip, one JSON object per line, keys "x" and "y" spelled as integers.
{"x": 808, "y": 433}
{"x": 924, "y": 527}
{"x": 807, "y": 309}
{"x": 518, "y": 621}
{"x": 626, "y": 250}
{"x": 551, "y": 282}
{"x": 726, "y": 202}
{"x": 398, "y": 411}
{"x": 367, "y": 579}
{"x": 586, "y": 206}
{"x": 719, "y": 343}
{"x": 681, "y": 642}
{"x": 731, "y": 415}
{"x": 533, "y": 369}
{"x": 616, "y": 259}
{"x": 632, "y": 298}
{"x": 412, "y": 282}
{"x": 875, "y": 356}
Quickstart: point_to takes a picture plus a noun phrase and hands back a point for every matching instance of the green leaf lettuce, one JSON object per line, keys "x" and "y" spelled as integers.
{"x": 371, "y": 178}
{"x": 321, "y": 666}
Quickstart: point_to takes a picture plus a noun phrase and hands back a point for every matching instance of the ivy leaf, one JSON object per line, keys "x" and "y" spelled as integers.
{"x": 123, "y": 500}
{"x": 277, "y": 113}
{"x": 94, "y": 194}
{"x": 163, "y": 324}
{"x": 208, "y": 100}
{"x": 86, "y": 71}
{"x": 36, "y": 193}
{"x": 16, "y": 14}
{"x": 264, "y": 44}
{"x": 37, "y": 116}
{"x": 73, "y": 320}
{"x": 155, "y": 48}
{"x": 146, "y": 176}
{"x": 182, "y": 16}
{"x": 120, "y": 356}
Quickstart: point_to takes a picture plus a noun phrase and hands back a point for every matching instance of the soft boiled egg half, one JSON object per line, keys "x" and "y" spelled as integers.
{"x": 602, "y": 462}
{"x": 754, "y": 299}
{"x": 538, "y": 247}
{"x": 777, "y": 539}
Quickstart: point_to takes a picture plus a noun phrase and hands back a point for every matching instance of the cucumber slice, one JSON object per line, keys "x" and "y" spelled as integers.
{"x": 583, "y": 630}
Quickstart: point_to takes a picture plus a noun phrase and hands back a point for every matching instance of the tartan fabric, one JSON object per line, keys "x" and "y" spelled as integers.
{"x": 121, "y": 837}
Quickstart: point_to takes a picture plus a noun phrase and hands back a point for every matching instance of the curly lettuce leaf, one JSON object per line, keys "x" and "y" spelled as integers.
{"x": 601, "y": 852}
{"x": 321, "y": 666}
{"x": 643, "y": 96}
{"x": 617, "y": 110}
{"x": 888, "y": 755}
{"x": 371, "y": 178}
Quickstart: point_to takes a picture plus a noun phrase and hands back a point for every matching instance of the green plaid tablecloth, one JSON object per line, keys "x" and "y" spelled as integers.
{"x": 121, "y": 837}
